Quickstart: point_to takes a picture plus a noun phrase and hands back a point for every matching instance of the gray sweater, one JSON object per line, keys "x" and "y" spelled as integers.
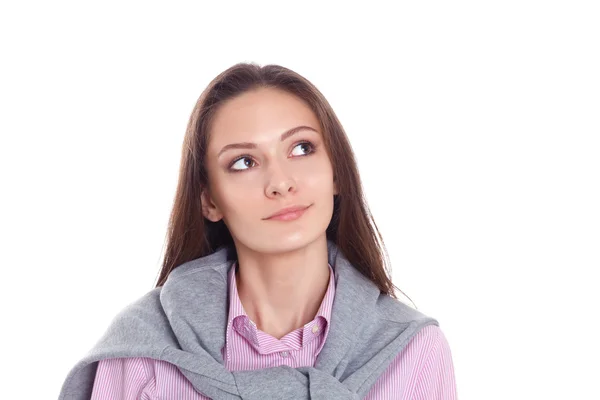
{"x": 184, "y": 322}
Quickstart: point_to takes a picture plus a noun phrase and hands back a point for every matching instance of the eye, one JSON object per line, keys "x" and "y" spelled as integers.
{"x": 304, "y": 147}
{"x": 246, "y": 162}
{"x": 241, "y": 162}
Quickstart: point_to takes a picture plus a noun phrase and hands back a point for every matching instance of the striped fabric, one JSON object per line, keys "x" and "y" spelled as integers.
{"x": 423, "y": 370}
{"x": 247, "y": 347}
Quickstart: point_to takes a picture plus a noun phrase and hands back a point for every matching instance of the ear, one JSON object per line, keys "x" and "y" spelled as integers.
{"x": 209, "y": 209}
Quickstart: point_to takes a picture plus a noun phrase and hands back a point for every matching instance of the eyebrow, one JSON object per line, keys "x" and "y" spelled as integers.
{"x": 248, "y": 145}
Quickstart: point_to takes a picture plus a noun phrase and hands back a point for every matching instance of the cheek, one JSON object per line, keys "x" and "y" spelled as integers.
{"x": 319, "y": 176}
{"x": 238, "y": 198}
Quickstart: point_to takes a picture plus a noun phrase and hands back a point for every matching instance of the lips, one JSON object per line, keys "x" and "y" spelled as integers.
{"x": 289, "y": 211}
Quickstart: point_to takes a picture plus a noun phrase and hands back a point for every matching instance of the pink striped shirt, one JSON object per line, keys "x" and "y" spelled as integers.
{"x": 423, "y": 370}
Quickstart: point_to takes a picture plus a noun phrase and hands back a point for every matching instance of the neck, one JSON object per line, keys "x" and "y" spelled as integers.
{"x": 282, "y": 292}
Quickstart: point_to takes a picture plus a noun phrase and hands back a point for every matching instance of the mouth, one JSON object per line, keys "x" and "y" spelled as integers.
{"x": 288, "y": 215}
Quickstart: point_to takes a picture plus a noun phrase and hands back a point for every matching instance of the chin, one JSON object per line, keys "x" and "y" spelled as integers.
{"x": 283, "y": 243}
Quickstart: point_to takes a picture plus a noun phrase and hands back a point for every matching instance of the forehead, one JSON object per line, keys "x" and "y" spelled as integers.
{"x": 259, "y": 115}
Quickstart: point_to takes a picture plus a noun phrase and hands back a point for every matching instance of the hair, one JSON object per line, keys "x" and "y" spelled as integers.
{"x": 352, "y": 227}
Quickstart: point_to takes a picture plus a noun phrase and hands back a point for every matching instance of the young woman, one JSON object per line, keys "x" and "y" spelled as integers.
{"x": 274, "y": 282}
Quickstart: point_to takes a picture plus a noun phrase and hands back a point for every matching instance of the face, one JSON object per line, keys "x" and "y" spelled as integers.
{"x": 259, "y": 161}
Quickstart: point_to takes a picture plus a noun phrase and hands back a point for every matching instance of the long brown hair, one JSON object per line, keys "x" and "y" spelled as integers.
{"x": 352, "y": 227}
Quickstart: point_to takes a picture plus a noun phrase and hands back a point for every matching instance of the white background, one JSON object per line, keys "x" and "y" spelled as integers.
{"x": 476, "y": 128}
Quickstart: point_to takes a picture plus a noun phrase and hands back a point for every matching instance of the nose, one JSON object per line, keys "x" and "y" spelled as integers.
{"x": 280, "y": 182}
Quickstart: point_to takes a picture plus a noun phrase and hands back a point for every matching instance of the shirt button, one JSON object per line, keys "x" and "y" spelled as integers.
{"x": 315, "y": 329}
{"x": 284, "y": 354}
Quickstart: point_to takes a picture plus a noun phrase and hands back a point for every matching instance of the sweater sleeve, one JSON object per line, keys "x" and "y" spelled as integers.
{"x": 124, "y": 379}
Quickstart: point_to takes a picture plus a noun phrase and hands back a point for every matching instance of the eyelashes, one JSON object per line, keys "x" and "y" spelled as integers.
{"x": 312, "y": 149}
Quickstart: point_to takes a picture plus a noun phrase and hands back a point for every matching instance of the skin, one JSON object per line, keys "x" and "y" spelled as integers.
{"x": 283, "y": 273}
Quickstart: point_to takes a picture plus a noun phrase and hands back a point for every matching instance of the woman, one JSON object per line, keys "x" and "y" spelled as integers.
{"x": 274, "y": 283}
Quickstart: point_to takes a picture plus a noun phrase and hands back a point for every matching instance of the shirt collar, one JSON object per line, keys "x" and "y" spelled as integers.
{"x": 239, "y": 320}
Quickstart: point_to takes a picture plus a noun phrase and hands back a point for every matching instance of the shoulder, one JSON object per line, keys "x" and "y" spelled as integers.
{"x": 433, "y": 375}
{"x": 144, "y": 309}
{"x": 147, "y": 321}
{"x": 429, "y": 343}
{"x": 428, "y": 350}
{"x": 393, "y": 310}
{"x": 143, "y": 322}
{"x": 391, "y": 320}
{"x": 422, "y": 370}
